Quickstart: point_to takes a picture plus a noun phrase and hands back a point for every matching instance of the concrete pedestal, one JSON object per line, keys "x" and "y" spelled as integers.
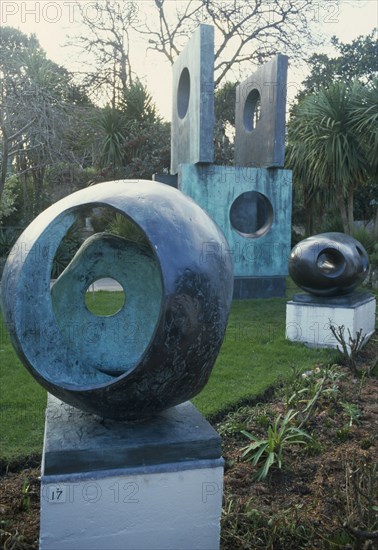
{"x": 155, "y": 484}
{"x": 308, "y": 318}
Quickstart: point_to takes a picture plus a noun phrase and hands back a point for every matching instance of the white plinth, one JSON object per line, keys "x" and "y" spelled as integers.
{"x": 166, "y": 505}
{"x": 309, "y": 322}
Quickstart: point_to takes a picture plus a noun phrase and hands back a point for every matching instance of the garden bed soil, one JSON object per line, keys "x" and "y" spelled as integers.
{"x": 325, "y": 495}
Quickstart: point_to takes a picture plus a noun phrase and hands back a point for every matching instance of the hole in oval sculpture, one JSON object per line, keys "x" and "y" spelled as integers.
{"x": 252, "y": 110}
{"x": 330, "y": 262}
{"x": 104, "y": 305}
{"x": 97, "y": 326}
{"x": 183, "y": 93}
{"x": 251, "y": 214}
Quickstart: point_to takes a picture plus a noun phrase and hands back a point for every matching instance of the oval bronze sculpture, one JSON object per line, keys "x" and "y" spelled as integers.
{"x": 158, "y": 350}
{"x": 328, "y": 264}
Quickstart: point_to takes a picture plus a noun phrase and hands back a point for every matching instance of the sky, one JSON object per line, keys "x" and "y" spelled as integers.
{"x": 52, "y": 21}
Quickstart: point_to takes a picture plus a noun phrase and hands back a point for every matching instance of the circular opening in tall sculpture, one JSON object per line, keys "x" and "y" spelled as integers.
{"x": 251, "y": 214}
{"x": 105, "y": 297}
{"x": 252, "y": 110}
{"x": 183, "y": 93}
{"x": 330, "y": 262}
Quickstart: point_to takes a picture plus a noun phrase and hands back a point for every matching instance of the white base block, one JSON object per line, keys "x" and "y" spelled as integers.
{"x": 167, "y": 510}
{"x": 155, "y": 484}
{"x": 309, "y": 323}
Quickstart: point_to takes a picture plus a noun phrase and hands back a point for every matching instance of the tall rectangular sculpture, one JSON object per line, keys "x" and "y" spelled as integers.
{"x": 193, "y": 101}
{"x": 250, "y": 201}
{"x": 260, "y": 116}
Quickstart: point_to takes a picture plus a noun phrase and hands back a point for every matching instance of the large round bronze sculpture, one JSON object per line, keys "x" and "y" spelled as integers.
{"x": 328, "y": 264}
{"x": 158, "y": 350}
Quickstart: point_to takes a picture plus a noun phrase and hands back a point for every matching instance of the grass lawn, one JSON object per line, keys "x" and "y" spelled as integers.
{"x": 254, "y": 354}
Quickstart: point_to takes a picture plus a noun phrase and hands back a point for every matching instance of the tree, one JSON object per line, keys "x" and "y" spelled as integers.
{"x": 134, "y": 141}
{"x": 333, "y": 144}
{"x": 112, "y": 128}
{"x": 37, "y": 100}
{"x": 137, "y": 103}
{"x": 224, "y": 106}
{"x": 357, "y": 59}
{"x": 246, "y": 30}
{"x": 108, "y": 40}
{"x": 13, "y": 44}
{"x": 364, "y": 122}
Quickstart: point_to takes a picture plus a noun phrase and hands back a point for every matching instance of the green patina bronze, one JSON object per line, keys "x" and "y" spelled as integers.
{"x": 101, "y": 341}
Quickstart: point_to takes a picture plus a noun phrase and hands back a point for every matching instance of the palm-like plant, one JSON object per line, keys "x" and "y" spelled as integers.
{"x": 328, "y": 148}
{"x": 281, "y": 434}
{"x": 137, "y": 104}
{"x": 364, "y": 120}
{"x": 111, "y": 124}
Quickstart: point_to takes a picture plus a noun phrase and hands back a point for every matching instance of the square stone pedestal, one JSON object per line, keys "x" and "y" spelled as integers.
{"x": 308, "y": 318}
{"x": 154, "y": 484}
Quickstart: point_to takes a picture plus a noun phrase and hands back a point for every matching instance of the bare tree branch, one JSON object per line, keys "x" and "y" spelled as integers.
{"x": 246, "y": 30}
{"x": 108, "y": 39}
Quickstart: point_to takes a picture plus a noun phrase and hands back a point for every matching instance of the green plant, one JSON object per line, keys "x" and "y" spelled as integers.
{"x": 313, "y": 386}
{"x": 232, "y": 424}
{"x": 352, "y": 411}
{"x": 236, "y": 421}
{"x": 244, "y": 526}
{"x": 365, "y": 237}
{"x": 280, "y": 434}
{"x": 66, "y": 250}
{"x": 262, "y": 420}
{"x": 290, "y": 387}
{"x": 123, "y": 227}
{"x": 343, "y": 434}
{"x": 8, "y": 203}
{"x": 25, "y": 495}
{"x": 374, "y": 257}
{"x": 314, "y": 447}
{"x": 362, "y": 382}
{"x": 101, "y": 218}
{"x": 366, "y": 443}
{"x": 241, "y": 522}
{"x": 287, "y": 529}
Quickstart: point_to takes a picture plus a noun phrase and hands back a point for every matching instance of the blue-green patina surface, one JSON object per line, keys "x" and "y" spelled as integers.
{"x": 111, "y": 344}
{"x": 215, "y": 188}
{"x": 192, "y": 130}
{"x": 159, "y": 349}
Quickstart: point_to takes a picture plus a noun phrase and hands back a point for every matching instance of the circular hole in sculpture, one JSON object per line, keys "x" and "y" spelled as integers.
{"x": 107, "y": 328}
{"x": 330, "y": 262}
{"x": 105, "y": 297}
{"x": 363, "y": 259}
{"x": 183, "y": 93}
{"x": 251, "y": 214}
{"x": 252, "y": 110}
